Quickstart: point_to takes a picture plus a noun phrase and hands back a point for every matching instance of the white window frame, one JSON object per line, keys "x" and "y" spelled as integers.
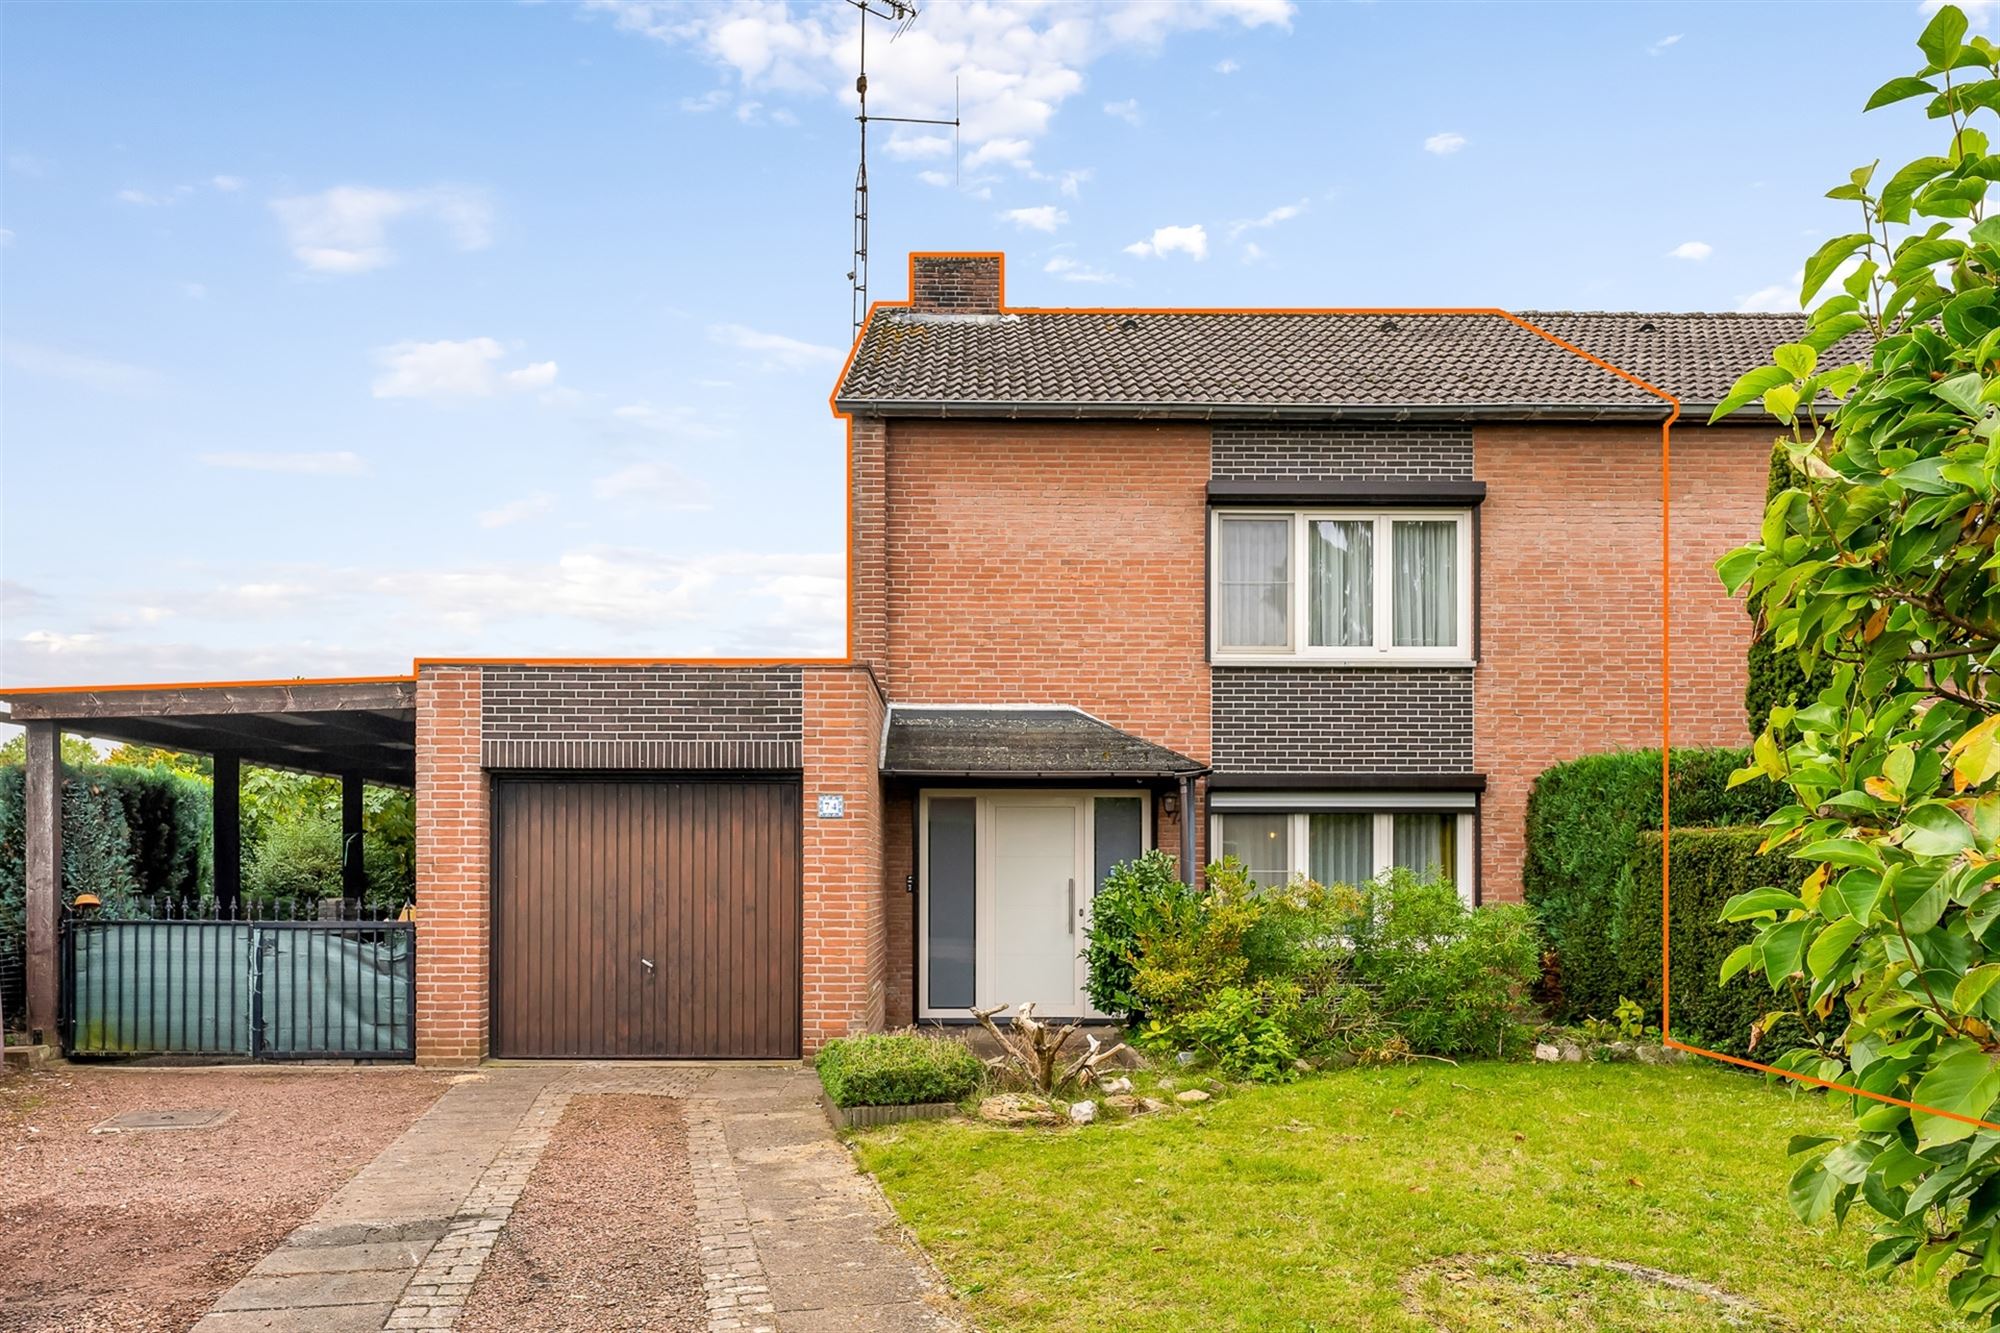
{"x": 1383, "y": 652}
{"x": 1383, "y": 807}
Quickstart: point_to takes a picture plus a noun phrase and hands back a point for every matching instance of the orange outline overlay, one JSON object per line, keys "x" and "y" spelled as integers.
{"x": 847, "y": 658}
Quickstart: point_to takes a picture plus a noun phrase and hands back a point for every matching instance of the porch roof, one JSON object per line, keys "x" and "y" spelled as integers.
{"x": 351, "y": 728}
{"x": 1052, "y": 742}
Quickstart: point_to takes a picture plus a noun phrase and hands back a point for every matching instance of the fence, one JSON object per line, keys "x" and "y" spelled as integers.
{"x": 216, "y": 984}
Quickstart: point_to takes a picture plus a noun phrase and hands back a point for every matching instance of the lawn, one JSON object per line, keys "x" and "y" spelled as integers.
{"x": 1417, "y": 1198}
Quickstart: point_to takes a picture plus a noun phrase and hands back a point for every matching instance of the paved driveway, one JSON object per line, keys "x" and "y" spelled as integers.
{"x": 789, "y": 1235}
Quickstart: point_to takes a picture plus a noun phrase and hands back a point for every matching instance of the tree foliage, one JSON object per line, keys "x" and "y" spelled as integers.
{"x": 1877, "y": 566}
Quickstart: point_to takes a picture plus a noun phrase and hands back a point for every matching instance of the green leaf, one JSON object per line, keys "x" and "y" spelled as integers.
{"x": 1759, "y": 901}
{"x": 1739, "y": 958}
{"x": 1813, "y": 1190}
{"x": 1751, "y": 387}
{"x": 1735, "y": 568}
{"x": 1934, "y": 829}
{"x": 1942, "y": 36}
{"x": 1961, "y": 391}
{"x": 1972, "y": 988}
{"x": 1842, "y": 852}
{"x": 1831, "y": 256}
{"x": 1784, "y": 947}
{"x": 1963, "y": 1084}
{"x": 1896, "y": 195}
{"x": 1899, "y": 90}
{"x": 1832, "y": 945}
{"x": 1798, "y": 358}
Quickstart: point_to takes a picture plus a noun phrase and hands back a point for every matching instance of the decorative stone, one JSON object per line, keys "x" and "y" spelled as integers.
{"x": 1082, "y": 1113}
{"x": 1546, "y": 1052}
{"x": 1115, "y": 1086}
{"x": 1192, "y": 1097}
{"x": 1014, "y": 1108}
{"x": 1572, "y": 1053}
{"x": 1127, "y": 1104}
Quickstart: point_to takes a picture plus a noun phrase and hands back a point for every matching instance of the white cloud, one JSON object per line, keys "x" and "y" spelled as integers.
{"x": 1450, "y": 141}
{"x": 1252, "y": 252}
{"x": 1976, "y": 11}
{"x": 345, "y": 229}
{"x": 1696, "y": 250}
{"x": 89, "y": 371}
{"x": 227, "y": 184}
{"x": 447, "y": 369}
{"x": 1008, "y": 65}
{"x": 911, "y": 146}
{"x": 1783, "y": 297}
{"x": 777, "y": 346}
{"x": 1071, "y": 270}
{"x": 1282, "y": 213}
{"x": 1014, "y": 152}
{"x": 150, "y": 199}
{"x": 1127, "y": 111}
{"x": 338, "y": 463}
{"x": 1070, "y": 183}
{"x": 1042, "y": 217}
{"x": 652, "y": 483}
{"x": 675, "y": 419}
{"x": 1664, "y": 42}
{"x": 1226, "y": 67}
{"x": 514, "y": 511}
{"x": 708, "y": 101}
{"x": 941, "y": 179}
{"x": 1191, "y": 241}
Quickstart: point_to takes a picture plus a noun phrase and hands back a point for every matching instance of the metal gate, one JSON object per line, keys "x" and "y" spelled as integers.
{"x": 268, "y": 990}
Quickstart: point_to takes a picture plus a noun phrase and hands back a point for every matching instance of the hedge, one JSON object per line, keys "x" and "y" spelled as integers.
{"x": 1775, "y": 677}
{"x": 126, "y": 832}
{"x": 1585, "y": 819}
{"x": 1710, "y": 866}
{"x": 898, "y": 1069}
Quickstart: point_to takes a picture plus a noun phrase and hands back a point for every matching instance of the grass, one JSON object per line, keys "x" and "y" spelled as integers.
{"x": 1404, "y": 1198}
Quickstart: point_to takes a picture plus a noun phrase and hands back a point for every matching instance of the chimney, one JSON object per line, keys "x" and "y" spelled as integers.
{"x": 964, "y": 284}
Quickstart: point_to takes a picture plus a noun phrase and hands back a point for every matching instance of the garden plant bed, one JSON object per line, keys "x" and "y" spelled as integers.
{"x": 1404, "y": 1197}
{"x": 856, "y": 1117}
{"x": 142, "y": 1231}
{"x": 603, "y": 1236}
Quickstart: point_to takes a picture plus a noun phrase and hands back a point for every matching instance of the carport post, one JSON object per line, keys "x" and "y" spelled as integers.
{"x": 227, "y": 830}
{"x": 44, "y": 887}
{"x": 353, "y": 870}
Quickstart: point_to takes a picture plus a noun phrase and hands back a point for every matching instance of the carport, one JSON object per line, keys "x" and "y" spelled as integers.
{"x": 360, "y": 731}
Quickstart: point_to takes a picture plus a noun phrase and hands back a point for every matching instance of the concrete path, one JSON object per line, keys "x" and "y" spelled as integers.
{"x": 792, "y": 1237}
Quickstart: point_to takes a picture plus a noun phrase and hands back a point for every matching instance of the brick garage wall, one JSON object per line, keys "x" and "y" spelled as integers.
{"x": 1571, "y": 606}
{"x": 453, "y": 900}
{"x": 1050, "y": 563}
{"x": 846, "y": 949}
{"x": 1343, "y": 719}
{"x": 1265, "y": 452}
{"x": 653, "y": 717}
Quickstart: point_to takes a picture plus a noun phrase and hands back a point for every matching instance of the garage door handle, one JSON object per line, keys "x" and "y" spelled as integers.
{"x": 646, "y": 963}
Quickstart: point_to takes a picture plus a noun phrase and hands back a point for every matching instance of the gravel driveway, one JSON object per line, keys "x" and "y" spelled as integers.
{"x": 143, "y": 1231}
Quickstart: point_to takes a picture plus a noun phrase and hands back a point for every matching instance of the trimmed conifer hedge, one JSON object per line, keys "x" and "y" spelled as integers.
{"x": 126, "y": 832}
{"x": 1585, "y": 822}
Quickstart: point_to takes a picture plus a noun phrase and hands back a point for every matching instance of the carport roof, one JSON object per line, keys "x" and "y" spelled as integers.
{"x": 1020, "y": 741}
{"x": 352, "y": 728}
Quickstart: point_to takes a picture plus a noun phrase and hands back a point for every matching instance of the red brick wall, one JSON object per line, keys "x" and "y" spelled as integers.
{"x": 899, "y": 905}
{"x": 846, "y": 951}
{"x": 955, "y": 284}
{"x": 1571, "y": 606}
{"x": 1050, "y": 563}
{"x": 452, "y": 853}
{"x": 867, "y": 605}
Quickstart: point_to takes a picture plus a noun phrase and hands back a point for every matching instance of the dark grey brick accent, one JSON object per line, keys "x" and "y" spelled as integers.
{"x": 1341, "y": 719}
{"x": 655, "y": 717}
{"x": 1323, "y": 452}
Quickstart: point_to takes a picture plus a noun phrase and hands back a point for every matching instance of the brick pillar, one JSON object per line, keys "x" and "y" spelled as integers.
{"x": 846, "y": 953}
{"x": 899, "y": 906}
{"x": 453, "y": 900}
{"x": 867, "y": 576}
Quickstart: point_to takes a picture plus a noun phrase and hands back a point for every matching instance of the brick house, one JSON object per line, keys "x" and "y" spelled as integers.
{"x": 1322, "y": 590}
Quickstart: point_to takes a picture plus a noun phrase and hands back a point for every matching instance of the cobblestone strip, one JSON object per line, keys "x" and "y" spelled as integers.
{"x": 732, "y": 1276}
{"x": 437, "y": 1293}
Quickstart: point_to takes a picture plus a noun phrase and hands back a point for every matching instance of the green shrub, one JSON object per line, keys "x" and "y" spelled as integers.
{"x": 898, "y": 1069}
{"x": 1245, "y": 1030}
{"x": 126, "y": 832}
{"x": 1585, "y": 818}
{"x": 1449, "y": 979}
{"x": 1710, "y": 866}
{"x": 1133, "y": 898}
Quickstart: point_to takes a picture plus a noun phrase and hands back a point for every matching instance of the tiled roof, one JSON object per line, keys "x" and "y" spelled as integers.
{"x": 1007, "y": 741}
{"x": 1464, "y": 365}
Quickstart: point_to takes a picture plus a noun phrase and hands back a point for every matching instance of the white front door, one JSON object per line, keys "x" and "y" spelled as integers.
{"x": 1005, "y": 880}
{"x": 1031, "y": 909}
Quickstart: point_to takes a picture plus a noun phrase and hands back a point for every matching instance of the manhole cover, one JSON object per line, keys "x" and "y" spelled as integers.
{"x": 131, "y": 1122}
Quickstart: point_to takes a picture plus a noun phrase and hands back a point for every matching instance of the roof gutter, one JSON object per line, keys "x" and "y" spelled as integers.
{"x": 1045, "y": 409}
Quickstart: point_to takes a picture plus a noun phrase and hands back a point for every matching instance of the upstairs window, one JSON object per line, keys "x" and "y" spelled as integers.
{"x": 1343, "y": 585}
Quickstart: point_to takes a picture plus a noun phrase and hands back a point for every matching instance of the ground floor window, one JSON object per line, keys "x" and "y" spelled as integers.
{"x": 1346, "y": 837}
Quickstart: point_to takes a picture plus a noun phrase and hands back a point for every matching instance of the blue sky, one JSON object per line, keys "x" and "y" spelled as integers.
{"x": 339, "y": 334}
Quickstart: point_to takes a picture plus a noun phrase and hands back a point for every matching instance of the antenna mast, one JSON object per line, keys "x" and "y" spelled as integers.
{"x": 902, "y": 14}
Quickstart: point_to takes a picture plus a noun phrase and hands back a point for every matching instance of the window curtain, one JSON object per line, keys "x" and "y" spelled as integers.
{"x": 1426, "y": 584}
{"x": 1343, "y": 584}
{"x": 1342, "y": 848}
{"x": 1255, "y": 582}
{"x": 1426, "y": 844}
{"x": 1261, "y": 843}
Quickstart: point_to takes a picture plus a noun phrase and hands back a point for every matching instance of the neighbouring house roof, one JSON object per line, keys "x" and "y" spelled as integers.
{"x": 1469, "y": 366}
{"x": 1012, "y": 741}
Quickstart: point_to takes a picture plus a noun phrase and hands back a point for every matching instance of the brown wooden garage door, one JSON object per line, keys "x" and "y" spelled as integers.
{"x": 645, "y": 918}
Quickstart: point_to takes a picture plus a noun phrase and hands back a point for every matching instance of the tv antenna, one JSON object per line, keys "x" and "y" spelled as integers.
{"x": 902, "y": 14}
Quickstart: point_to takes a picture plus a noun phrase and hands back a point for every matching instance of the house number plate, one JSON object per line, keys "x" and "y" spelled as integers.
{"x": 833, "y": 807}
